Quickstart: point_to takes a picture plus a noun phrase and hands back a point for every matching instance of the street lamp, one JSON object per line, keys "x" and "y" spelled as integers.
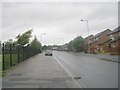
{"x": 87, "y": 26}
{"x": 41, "y": 37}
{"x": 88, "y": 33}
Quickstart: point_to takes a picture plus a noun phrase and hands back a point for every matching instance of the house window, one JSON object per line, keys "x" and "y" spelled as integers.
{"x": 96, "y": 39}
{"x": 113, "y": 45}
{"x": 111, "y": 37}
{"x": 89, "y": 41}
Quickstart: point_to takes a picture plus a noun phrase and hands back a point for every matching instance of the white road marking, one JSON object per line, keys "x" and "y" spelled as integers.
{"x": 69, "y": 73}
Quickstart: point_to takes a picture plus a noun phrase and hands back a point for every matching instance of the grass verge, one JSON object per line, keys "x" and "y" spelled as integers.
{"x": 7, "y": 62}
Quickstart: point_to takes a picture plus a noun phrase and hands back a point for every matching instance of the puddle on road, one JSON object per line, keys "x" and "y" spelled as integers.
{"x": 77, "y": 78}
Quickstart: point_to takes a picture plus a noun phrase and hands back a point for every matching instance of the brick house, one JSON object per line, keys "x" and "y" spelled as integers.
{"x": 99, "y": 43}
{"x": 114, "y": 43}
{"x": 86, "y": 43}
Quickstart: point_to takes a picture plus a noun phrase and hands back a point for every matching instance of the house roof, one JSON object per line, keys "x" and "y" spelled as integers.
{"x": 115, "y": 30}
{"x": 104, "y": 42}
{"x": 97, "y": 35}
{"x": 90, "y": 36}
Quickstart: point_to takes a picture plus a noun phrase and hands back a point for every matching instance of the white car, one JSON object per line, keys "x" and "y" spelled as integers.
{"x": 48, "y": 52}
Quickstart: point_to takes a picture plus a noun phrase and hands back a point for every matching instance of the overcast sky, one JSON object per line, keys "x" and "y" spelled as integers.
{"x": 60, "y": 21}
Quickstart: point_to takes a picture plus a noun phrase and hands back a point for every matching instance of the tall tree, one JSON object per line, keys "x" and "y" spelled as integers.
{"x": 35, "y": 43}
{"x": 44, "y": 47}
{"x": 70, "y": 46}
{"x": 76, "y": 44}
{"x": 0, "y": 44}
{"x": 8, "y": 42}
{"x": 24, "y": 38}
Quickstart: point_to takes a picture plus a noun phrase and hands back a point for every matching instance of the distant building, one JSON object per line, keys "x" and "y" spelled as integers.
{"x": 99, "y": 43}
{"x": 54, "y": 48}
{"x": 87, "y": 43}
{"x": 114, "y": 43}
{"x": 64, "y": 47}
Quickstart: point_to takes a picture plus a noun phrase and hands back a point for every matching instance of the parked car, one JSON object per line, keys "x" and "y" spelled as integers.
{"x": 48, "y": 52}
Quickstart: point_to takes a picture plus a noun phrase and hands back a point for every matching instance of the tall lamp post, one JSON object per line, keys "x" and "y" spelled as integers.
{"x": 41, "y": 37}
{"x": 87, "y": 26}
{"x": 87, "y": 33}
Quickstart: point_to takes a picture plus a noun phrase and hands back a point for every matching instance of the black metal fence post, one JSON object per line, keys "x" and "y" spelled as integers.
{"x": 10, "y": 55}
{"x": 13, "y": 54}
{"x": 23, "y": 53}
{"x": 3, "y": 58}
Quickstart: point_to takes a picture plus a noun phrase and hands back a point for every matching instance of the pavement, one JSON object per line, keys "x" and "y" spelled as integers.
{"x": 107, "y": 57}
{"x": 39, "y": 71}
{"x": 93, "y": 72}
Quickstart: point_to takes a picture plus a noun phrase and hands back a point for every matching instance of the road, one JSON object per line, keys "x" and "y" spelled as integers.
{"x": 94, "y": 73}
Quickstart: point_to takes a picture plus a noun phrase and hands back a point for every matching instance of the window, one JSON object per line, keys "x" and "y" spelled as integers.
{"x": 113, "y": 45}
{"x": 111, "y": 37}
{"x": 96, "y": 39}
{"x": 119, "y": 33}
{"x": 89, "y": 41}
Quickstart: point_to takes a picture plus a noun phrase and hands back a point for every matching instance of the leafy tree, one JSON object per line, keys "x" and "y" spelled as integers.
{"x": 8, "y": 42}
{"x": 0, "y": 44}
{"x": 35, "y": 43}
{"x": 24, "y": 38}
{"x": 44, "y": 47}
{"x": 70, "y": 46}
{"x": 76, "y": 44}
{"x": 0, "y": 47}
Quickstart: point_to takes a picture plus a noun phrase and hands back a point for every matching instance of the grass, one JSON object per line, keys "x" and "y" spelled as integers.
{"x": 14, "y": 60}
{"x": 7, "y": 62}
{"x": 7, "y": 65}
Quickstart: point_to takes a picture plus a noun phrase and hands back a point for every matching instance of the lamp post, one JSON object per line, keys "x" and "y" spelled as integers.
{"x": 87, "y": 33}
{"x": 41, "y": 36}
{"x": 87, "y": 26}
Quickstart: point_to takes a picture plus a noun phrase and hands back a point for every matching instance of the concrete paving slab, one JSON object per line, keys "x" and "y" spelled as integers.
{"x": 39, "y": 71}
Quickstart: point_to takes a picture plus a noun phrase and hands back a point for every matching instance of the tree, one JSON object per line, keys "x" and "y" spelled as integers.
{"x": 70, "y": 46}
{"x": 44, "y": 47}
{"x": 76, "y": 44}
{"x": 0, "y": 44}
{"x": 35, "y": 43}
{"x": 8, "y": 42}
{"x": 0, "y": 47}
{"x": 24, "y": 38}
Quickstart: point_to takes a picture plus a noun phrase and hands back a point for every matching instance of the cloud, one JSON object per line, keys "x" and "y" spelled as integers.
{"x": 57, "y": 19}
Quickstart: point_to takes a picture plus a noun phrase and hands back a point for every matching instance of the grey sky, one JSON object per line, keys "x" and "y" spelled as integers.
{"x": 60, "y": 21}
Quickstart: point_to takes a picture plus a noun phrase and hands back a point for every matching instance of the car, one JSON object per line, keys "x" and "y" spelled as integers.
{"x": 48, "y": 53}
